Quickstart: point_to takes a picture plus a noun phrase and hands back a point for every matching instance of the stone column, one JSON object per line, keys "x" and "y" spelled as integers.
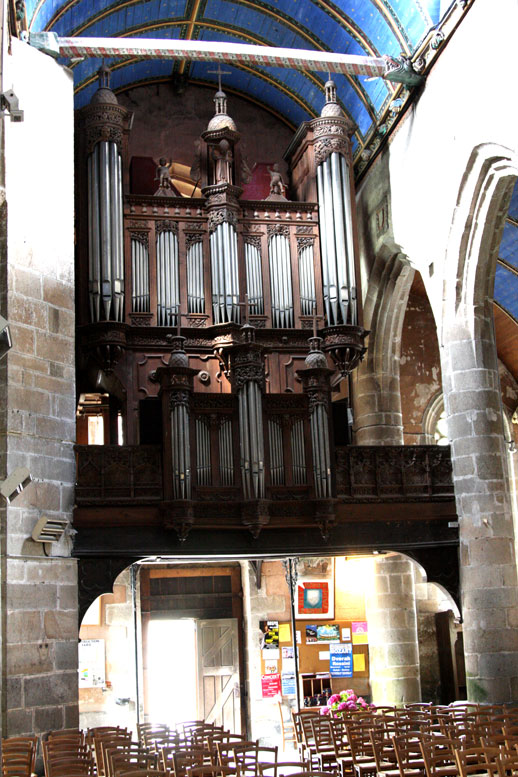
{"x": 487, "y": 556}
{"x": 392, "y": 618}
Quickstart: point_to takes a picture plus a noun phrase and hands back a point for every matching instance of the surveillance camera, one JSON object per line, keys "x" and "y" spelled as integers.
{"x": 15, "y": 483}
{"x": 9, "y": 102}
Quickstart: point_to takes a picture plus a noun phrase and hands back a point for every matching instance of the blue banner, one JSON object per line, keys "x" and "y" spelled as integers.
{"x": 341, "y": 660}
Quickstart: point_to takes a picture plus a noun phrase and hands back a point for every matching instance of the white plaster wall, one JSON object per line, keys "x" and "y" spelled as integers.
{"x": 469, "y": 99}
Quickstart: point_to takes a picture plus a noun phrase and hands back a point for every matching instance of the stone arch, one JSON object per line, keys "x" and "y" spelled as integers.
{"x": 377, "y": 400}
{"x": 431, "y": 416}
{"x": 475, "y": 233}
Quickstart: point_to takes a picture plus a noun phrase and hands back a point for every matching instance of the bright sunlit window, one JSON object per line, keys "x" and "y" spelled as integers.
{"x": 441, "y": 432}
{"x": 95, "y": 430}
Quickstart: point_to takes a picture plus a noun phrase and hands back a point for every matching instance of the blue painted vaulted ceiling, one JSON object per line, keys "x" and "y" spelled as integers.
{"x": 364, "y": 27}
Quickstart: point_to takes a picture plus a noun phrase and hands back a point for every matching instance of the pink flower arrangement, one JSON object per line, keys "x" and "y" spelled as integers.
{"x": 345, "y": 701}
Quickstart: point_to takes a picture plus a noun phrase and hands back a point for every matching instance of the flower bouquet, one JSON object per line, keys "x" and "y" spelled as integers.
{"x": 339, "y": 704}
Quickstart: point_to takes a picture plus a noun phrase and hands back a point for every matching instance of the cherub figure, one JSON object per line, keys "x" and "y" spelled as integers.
{"x": 163, "y": 175}
{"x": 222, "y": 156}
{"x": 277, "y": 185}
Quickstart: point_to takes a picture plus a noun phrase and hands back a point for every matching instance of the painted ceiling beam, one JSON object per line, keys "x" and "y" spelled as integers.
{"x": 226, "y": 53}
{"x": 399, "y": 70}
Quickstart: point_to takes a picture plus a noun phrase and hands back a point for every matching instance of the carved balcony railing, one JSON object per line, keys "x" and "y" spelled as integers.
{"x": 397, "y": 473}
{"x": 113, "y": 475}
{"x": 167, "y": 244}
{"x": 116, "y": 474}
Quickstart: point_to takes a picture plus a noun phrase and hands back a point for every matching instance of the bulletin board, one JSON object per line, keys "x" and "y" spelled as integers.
{"x": 309, "y": 660}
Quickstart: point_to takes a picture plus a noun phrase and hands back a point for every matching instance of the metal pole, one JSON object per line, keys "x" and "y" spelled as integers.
{"x": 290, "y": 570}
{"x": 133, "y": 578}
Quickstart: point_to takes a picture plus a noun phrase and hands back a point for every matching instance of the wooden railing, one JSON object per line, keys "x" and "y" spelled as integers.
{"x": 113, "y": 474}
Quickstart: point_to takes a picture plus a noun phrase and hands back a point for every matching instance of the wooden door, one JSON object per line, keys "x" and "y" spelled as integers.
{"x": 218, "y": 672}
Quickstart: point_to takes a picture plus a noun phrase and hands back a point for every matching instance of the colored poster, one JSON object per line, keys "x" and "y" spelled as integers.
{"x": 270, "y": 667}
{"x": 270, "y": 637}
{"x": 284, "y": 632}
{"x": 346, "y": 634}
{"x": 288, "y": 660}
{"x": 314, "y": 599}
{"x": 288, "y": 684}
{"x": 311, "y": 634}
{"x": 359, "y": 662}
{"x": 91, "y": 663}
{"x": 341, "y": 660}
{"x": 330, "y": 632}
{"x": 360, "y": 633}
{"x": 270, "y": 685}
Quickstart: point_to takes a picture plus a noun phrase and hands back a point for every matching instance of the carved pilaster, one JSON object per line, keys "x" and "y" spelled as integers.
{"x": 247, "y": 364}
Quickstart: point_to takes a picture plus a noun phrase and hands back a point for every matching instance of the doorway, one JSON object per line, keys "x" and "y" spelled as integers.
{"x": 171, "y": 662}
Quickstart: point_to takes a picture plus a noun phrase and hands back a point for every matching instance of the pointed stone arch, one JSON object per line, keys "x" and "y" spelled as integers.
{"x": 377, "y": 399}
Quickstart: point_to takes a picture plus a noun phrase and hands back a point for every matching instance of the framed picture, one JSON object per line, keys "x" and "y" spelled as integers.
{"x": 314, "y": 599}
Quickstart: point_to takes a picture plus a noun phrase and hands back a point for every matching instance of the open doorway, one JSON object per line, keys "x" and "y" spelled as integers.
{"x": 171, "y": 670}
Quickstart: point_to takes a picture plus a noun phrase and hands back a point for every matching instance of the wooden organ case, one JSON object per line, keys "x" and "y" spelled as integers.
{"x": 218, "y": 328}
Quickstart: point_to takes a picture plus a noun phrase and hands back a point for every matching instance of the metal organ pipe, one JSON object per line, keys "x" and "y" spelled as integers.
{"x": 181, "y": 452}
{"x": 307, "y": 280}
{"x": 226, "y": 462}
{"x": 298, "y": 455}
{"x": 276, "y": 452}
{"x": 195, "y": 291}
{"x": 280, "y": 281}
{"x": 168, "y": 287}
{"x": 336, "y": 236}
{"x": 140, "y": 276}
{"x": 105, "y": 253}
{"x": 251, "y": 440}
{"x": 224, "y": 270}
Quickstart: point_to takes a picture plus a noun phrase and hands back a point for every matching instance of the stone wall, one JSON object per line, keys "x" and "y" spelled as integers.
{"x": 40, "y": 608}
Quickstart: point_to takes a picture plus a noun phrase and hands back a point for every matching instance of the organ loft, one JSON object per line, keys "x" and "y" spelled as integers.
{"x": 218, "y": 335}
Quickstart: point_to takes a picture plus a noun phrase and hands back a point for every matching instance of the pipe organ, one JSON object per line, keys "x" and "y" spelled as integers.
{"x": 197, "y": 313}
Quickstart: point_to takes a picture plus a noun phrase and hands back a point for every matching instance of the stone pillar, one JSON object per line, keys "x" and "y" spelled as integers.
{"x": 487, "y": 556}
{"x": 39, "y": 596}
{"x": 269, "y": 601}
{"x": 392, "y": 618}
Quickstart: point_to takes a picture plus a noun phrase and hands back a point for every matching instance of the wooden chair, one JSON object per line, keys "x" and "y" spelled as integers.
{"x": 248, "y": 758}
{"x": 19, "y": 753}
{"x": 210, "y": 770}
{"x": 408, "y": 755}
{"x": 123, "y": 762}
{"x": 182, "y": 760}
{"x": 287, "y": 728}
{"x": 438, "y": 755}
{"x": 478, "y": 760}
{"x": 323, "y": 742}
{"x": 145, "y": 773}
{"x": 282, "y": 768}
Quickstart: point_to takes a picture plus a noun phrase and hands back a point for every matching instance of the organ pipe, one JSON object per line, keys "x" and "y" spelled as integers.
{"x": 276, "y": 452}
{"x": 203, "y": 461}
{"x": 254, "y": 279}
{"x": 336, "y": 236}
{"x": 298, "y": 453}
{"x": 226, "y": 457}
{"x": 167, "y": 272}
{"x": 224, "y": 271}
{"x": 280, "y": 281}
{"x": 251, "y": 440}
{"x": 195, "y": 286}
{"x": 308, "y": 299}
{"x": 181, "y": 451}
{"x": 105, "y": 250}
{"x": 139, "y": 276}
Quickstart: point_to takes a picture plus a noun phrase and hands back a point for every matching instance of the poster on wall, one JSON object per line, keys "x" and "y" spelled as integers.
{"x": 341, "y": 660}
{"x": 270, "y": 667}
{"x": 270, "y": 685}
{"x": 288, "y": 659}
{"x": 360, "y": 632}
{"x": 270, "y": 635}
{"x": 92, "y": 664}
{"x": 288, "y": 684}
{"x": 330, "y": 632}
{"x": 311, "y": 634}
{"x": 314, "y": 599}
